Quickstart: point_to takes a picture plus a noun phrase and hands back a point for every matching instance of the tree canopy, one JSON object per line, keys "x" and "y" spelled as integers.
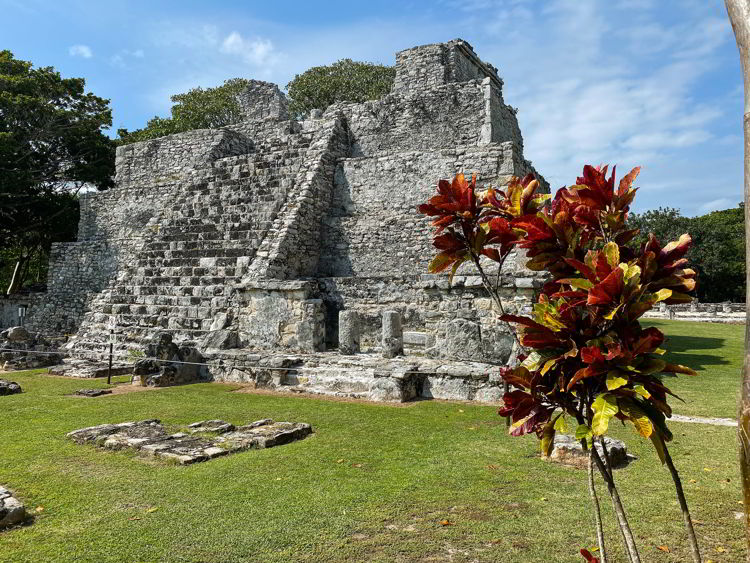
{"x": 718, "y": 253}
{"x": 52, "y": 144}
{"x": 198, "y": 108}
{"x": 343, "y": 81}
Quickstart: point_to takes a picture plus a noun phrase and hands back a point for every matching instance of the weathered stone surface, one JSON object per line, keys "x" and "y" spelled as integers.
{"x": 93, "y": 392}
{"x": 467, "y": 339}
{"x": 567, "y": 450}
{"x": 219, "y": 426}
{"x": 349, "y": 342}
{"x": 12, "y": 511}
{"x": 17, "y": 334}
{"x": 393, "y": 334}
{"x": 9, "y": 387}
{"x": 151, "y": 438}
{"x": 21, "y": 349}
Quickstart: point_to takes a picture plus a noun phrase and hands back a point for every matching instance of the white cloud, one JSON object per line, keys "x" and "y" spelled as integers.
{"x": 120, "y": 58}
{"x": 80, "y": 51}
{"x": 258, "y": 51}
{"x": 612, "y": 83}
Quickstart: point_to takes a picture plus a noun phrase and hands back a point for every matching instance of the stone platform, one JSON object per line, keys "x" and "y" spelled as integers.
{"x": 205, "y": 439}
{"x": 87, "y": 369}
{"x": 363, "y": 376}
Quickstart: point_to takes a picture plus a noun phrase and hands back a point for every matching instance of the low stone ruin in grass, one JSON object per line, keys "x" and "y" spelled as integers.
{"x": 93, "y": 392}
{"x": 9, "y": 387}
{"x": 569, "y": 451}
{"x": 12, "y": 511}
{"x": 201, "y": 441}
{"x": 21, "y": 349}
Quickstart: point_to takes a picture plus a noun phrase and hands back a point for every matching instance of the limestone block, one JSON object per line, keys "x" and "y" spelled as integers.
{"x": 569, "y": 451}
{"x": 18, "y": 334}
{"x": 349, "y": 332}
{"x": 12, "y": 511}
{"x": 392, "y": 335}
{"x": 9, "y": 387}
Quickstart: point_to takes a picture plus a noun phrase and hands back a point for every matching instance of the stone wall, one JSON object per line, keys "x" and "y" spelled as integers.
{"x": 292, "y": 248}
{"x": 456, "y": 320}
{"x": 9, "y": 305}
{"x": 429, "y": 66}
{"x": 263, "y": 100}
{"x": 78, "y": 271}
{"x": 172, "y": 158}
{"x": 454, "y": 114}
{"x": 373, "y": 228}
{"x": 281, "y": 315}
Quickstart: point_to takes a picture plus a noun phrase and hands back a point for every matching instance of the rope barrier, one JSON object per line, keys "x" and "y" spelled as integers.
{"x": 257, "y": 366}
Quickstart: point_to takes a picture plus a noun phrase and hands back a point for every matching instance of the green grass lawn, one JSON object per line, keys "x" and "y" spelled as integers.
{"x": 372, "y": 484}
{"x": 715, "y": 352}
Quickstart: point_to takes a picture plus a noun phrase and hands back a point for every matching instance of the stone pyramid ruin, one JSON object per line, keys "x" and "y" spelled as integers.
{"x": 246, "y": 242}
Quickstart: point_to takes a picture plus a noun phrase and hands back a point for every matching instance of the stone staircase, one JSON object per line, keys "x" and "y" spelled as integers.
{"x": 184, "y": 270}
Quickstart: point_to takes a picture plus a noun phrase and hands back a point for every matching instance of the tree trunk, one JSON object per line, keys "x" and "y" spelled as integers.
{"x": 15, "y": 281}
{"x": 739, "y": 16}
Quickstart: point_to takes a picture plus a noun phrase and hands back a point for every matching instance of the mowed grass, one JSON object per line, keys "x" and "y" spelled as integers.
{"x": 373, "y": 483}
{"x": 715, "y": 352}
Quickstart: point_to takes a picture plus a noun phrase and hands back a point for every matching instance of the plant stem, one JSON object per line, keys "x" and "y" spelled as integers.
{"x": 627, "y": 534}
{"x": 695, "y": 551}
{"x": 597, "y": 510}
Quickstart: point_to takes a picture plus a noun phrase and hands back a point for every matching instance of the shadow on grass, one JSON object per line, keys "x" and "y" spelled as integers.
{"x": 687, "y": 350}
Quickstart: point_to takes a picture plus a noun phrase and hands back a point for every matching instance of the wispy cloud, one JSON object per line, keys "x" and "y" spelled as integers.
{"x": 608, "y": 83}
{"x": 257, "y": 51}
{"x": 120, "y": 59}
{"x": 80, "y": 51}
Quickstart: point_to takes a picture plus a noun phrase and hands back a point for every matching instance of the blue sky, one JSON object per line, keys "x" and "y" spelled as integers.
{"x": 654, "y": 83}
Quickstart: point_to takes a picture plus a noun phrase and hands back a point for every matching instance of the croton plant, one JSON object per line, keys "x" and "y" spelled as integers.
{"x": 587, "y": 356}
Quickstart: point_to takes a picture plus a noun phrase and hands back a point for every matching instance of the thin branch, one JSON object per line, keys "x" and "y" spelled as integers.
{"x": 597, "y": 510}
{"x": 694, "y": 550}
{"x": 627, "y": 533}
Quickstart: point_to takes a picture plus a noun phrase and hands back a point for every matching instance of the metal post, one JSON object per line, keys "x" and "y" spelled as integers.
{"x": 112, "y": 324}
{"x": 109, "y": 369}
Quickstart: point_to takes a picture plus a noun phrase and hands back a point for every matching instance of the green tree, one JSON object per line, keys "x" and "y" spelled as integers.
{"x": 195, "y": 109}
{"x": 719, "y": 251}
{"x": 343, "y": 81}
{"x": 51, "y": 145}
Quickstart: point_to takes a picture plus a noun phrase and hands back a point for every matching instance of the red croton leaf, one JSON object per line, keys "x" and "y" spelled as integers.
{"x": 588, "y": 557}
{"x": 448, "y": 241}
{"x": 608, "y": 291}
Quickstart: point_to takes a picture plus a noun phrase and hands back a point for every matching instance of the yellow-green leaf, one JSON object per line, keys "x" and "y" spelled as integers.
{"x": 615, "y": 381}
{"x": 548, "y": 439}
{"x": 440, "y": 263}
{"x": 561, "y": 424}
{"x": 662, "y": 295}
{"x": 639, "y": 419}
{"x": 605, "y": 407}
{"x": 612, "y": 252}
{"x": 579, "y": 283}
{"x": 611, "y": 315}
{"x": 583, "y": 432}
{"x": 641, "y": 390}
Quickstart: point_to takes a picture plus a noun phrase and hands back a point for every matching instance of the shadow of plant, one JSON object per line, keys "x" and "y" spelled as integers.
{"x": 687, "y": 350}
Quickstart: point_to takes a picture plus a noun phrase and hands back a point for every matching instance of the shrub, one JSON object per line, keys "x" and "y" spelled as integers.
{"x": 585, "y": 354}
